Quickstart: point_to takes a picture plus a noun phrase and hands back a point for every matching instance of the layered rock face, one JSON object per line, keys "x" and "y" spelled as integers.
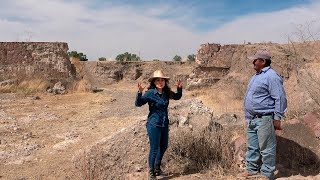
{"x": 214, "y": 62}
{"x": 111, "y": 72}
{"x": 49, "y": 60}
{"x": 229, "y": 68}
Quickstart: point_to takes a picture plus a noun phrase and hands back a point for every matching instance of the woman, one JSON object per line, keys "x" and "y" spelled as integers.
{"x": 157, "y": 96}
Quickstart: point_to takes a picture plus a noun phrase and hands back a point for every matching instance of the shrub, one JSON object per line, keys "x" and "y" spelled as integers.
{"x": 191, "y": 151}
{"x": 26, "y": 86}
{"x": 191, "y": 58}
{"x": 177, "y": 58}
{"x": 90, "y": 164}
{"x": 127, "y": 57}
{"x": 102, "y": 59}
{"x": 80, "y": 55}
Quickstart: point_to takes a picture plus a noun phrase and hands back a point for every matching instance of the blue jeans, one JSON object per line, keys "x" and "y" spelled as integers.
{"x": 261, "y": 141}
{"x": 158, "y": 139}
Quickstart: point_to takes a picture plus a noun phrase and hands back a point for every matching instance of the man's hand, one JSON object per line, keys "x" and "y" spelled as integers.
{"x": 277, "y": 124}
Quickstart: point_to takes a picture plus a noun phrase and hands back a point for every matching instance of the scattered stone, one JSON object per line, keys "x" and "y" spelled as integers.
{"x": 138, "y": 168}
{"x": 58, "y": 88}
{"x": 36, "y": 98}
{"x": 190, "y": 112}
{"x": 239, "y": 145}
{"x": 8, "y": 82}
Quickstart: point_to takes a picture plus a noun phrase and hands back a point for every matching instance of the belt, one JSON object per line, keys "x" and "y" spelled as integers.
{"x": 261, "y": 115}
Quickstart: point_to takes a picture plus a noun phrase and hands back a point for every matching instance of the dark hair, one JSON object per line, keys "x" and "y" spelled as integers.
{"x": 166, "y": 87}
{"x": 268, "y": 62}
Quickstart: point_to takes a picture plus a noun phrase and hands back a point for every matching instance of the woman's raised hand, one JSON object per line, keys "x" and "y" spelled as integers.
{"x": 141, "y": 87}
{"x": 179, "y": 83}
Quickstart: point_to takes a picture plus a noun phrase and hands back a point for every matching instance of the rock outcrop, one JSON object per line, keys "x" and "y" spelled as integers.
{"x": 49, "y": 60}
{"x": 221, "y": 59}
{"x": 111, "y": 72}
{"x": 214, "y": 62}
{"x": 228, "y": 67}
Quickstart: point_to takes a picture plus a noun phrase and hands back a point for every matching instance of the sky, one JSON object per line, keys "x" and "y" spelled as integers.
{"x": 156, "y": 29}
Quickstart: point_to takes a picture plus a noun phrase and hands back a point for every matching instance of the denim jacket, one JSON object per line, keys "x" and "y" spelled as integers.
{"x": 158, "y": 105}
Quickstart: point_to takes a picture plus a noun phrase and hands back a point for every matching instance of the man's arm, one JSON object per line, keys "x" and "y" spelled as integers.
{"x": 278, "y": 93}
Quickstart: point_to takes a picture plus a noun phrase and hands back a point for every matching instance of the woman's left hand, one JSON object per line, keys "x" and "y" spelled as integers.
{"x": 179, "y": 83}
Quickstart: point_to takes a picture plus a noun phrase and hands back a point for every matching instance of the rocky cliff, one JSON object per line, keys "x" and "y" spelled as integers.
{"x": 228, "y": 68}
{"x": 106, "y": 72}
{"x": 47, "y": 60}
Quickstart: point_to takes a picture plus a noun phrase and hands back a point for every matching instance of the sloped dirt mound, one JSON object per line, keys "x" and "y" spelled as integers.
{"x": 190, "y": 149}
{"x": 297, "y": 150}
{"x": 199, "y": 142}
{"x": 124, "y": 152}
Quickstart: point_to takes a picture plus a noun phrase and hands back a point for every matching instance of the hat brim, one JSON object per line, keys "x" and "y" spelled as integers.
{"x": 150, "y": 79}
{"x": 251, "y": 58}
{"x": 254, "y": 57}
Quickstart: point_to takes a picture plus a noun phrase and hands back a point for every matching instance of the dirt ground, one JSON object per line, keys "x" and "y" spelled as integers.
{"x": 40, "y": 133}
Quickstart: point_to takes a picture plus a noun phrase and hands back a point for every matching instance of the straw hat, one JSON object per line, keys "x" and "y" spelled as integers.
{"x": 158, "y": 74}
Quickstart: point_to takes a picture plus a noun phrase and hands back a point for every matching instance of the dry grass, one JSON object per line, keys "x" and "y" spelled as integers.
{"x": 191, "y": 152}
{"x": 90, "y": 165}
{"x": 131, "y": 86}
{"x": 26, "y": 86}
{"x": 76, "y": 62}
{"x": 219, "y": 101}
{"x": 81, "y": 86}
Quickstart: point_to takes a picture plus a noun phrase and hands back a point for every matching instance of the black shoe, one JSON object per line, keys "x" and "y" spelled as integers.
{"x": 158, "y": 171}
{"x": 152, "y": 175}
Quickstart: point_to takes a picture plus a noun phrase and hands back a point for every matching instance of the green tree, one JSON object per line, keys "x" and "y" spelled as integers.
{"x": 191, "y": 58}
{"x": 73, "y": 54}
{"x": 177, "y": 58}
{"x": 80, "y": 55}
{"x": 127, "y": 57}
{"x": 102, "y": 59}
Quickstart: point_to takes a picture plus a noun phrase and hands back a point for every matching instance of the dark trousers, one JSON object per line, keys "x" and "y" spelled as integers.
{"x": 158, "y": 139}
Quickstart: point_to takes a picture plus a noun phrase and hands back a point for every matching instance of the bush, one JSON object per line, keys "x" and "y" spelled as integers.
{"x": 80, "y": 55}
{"x": 26, "y": 86}
{"x": 191, "y": 152}
{"x": 90, "y": 165}
{"x": 102, "y": 59}
{"x": 177, "y": 58}
{"x": 127, "y": 57}
{"x": 191, "y": 58}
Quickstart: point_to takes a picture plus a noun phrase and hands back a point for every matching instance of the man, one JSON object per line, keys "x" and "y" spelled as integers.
{"x": 265, "y": 105}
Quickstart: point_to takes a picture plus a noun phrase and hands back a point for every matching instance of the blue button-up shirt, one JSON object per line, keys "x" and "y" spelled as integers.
{"x": 265, "y": 95}
{"x": 158, "y": 105}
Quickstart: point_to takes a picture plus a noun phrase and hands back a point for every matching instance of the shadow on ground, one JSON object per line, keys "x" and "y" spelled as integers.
{"x": 294, "y": 159}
